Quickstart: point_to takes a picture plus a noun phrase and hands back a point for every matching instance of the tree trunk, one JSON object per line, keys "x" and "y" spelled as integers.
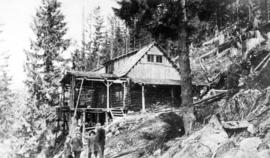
{"x": 185, "y": 70}
{"x": 184, "y": 62}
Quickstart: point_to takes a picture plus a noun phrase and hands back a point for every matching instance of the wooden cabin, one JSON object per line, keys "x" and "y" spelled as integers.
{"x": 152, "y": 77}
{"x": 135, "y": 81}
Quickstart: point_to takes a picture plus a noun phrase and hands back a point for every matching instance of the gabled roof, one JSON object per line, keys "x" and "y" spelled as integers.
{"x": 131, "y": 59}
{"x": 121, "y": 56}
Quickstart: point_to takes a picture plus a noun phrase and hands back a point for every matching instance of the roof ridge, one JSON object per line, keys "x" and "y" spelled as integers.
{"x": 129, "y": 53}
{"x": 147, "y": 47}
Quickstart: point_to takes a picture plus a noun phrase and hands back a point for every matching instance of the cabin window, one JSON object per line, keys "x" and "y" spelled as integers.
{"x": 159, "y": 59}
{"x": 102, "y": 99}
{"x": 109, "y": 69}
{"x": 119, "y": 96}
{"x": 150, "y": 58}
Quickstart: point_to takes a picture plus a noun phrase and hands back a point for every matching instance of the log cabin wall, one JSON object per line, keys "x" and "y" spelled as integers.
{"x": 116, "y": 96}
{"x": 154, "y": 96}
{"x": 95, "y": 95}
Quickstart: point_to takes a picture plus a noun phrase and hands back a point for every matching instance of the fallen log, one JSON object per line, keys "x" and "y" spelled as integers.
{"x": 210, "y": 99}
{"x": 235, "y": 124}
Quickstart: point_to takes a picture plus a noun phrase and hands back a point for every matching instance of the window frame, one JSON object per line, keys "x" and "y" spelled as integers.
{"x": 150, "y": 58}
{"x": 160, "y": 59}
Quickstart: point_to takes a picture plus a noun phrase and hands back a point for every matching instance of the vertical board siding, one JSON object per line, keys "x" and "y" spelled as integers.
{"x": 154, "y": 70}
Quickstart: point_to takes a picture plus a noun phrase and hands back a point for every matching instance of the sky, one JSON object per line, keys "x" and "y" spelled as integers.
{"x": 17, "y": 16}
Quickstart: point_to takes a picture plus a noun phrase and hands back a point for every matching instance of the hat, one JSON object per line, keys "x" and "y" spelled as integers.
{"x": 92, "y": 132}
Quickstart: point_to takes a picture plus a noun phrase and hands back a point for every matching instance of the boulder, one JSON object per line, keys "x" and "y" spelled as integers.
{"x": 262, "y": 146}
{"x": 196, "y": 150}
{"x": 212, "y": 135}
{"x": 204, "y": 142}
{"x": 242, "y": 154}
{"x": 264, "y": 153}
{"x": 251, "y": 129}
{"x": 157, "y": 153}
{"x": 224, "y": 148}
{"x": 250, "y": 144}
{"x": 144, "y": 135}
{"x": 238, "y": 153}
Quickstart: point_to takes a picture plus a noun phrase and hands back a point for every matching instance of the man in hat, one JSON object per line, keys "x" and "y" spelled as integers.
{"x": 76, "y": 145}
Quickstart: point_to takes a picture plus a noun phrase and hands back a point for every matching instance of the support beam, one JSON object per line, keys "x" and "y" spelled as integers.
{"x": 108, "y": 84}
{"x": 124, "y": 94}
{"x": 108, "y": 97}
{"x": 78, "y": 99}
{"x": 143, "y": 99}
{"x": 83, "y": 123}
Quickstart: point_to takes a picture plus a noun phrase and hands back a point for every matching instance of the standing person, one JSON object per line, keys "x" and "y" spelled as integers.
{"x": 92, "y": 145}
{"x": 100, "y": 140}
{"x": 67, "y": 149}
{"x": 77, "y": 145}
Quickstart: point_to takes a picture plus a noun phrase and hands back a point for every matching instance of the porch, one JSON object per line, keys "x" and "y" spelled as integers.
{"x": 92, "y": 98}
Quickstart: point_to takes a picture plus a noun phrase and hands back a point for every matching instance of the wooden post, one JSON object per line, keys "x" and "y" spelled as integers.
{"x": 143, "y": 99}
{"x": 97, "y": 118}
{"x": 172, "y": 95}
{"x": 72, "y": 93}
{"x": 108, "y": 101}
{"x": 108, "y": 96}
{"x": 124, "y": 94}
{"x": 83, "y": 123}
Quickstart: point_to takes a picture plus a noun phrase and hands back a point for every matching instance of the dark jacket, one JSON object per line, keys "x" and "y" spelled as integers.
{"x": 92, "y": 145}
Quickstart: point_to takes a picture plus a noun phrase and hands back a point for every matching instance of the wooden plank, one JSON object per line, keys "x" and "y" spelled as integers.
{"x": 78, "y": 99}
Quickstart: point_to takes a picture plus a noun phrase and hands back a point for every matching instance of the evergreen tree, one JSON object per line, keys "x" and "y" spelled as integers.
{"x": 6, "y": 99}
{"x": 96, "y": 56}
{"x": 79, "y": 60}
{"x": 44, "y": 61}
{"x": 106, "y": 48}
{"x": 119, "y": 37}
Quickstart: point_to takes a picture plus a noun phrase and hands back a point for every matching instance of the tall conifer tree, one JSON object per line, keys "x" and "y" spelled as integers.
{"x": 6, "y": 98}
{"x": 44, "y": 61}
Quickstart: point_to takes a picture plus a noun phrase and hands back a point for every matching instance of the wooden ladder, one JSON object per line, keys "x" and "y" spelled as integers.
{"x": 117, "y": 112}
